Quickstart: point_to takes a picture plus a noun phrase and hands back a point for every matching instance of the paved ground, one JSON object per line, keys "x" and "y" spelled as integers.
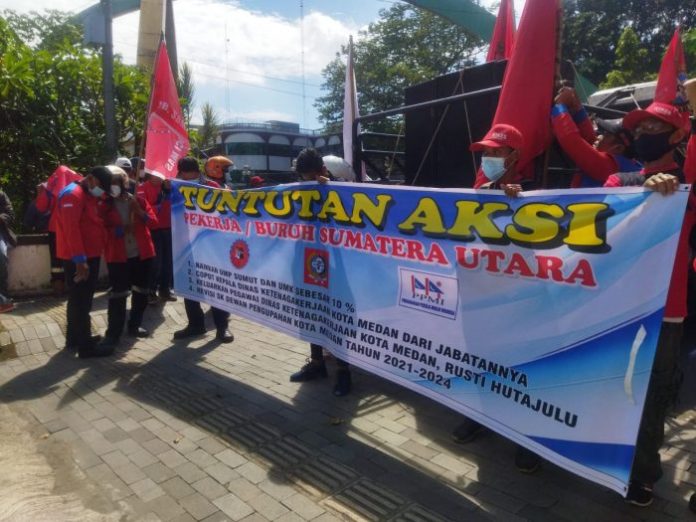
{"x": 212, "y": 432}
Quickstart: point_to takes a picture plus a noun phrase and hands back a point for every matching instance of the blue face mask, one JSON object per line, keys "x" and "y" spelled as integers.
{"x": 97, "y": 192}
{"x": 493, "y": 168}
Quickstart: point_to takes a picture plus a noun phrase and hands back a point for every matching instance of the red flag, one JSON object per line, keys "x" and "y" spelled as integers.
{"x": 670, "y": 81}
{"x": 527, "y": 93}
{"x": 503, "y": 33}
{"x": 167, "y": 140}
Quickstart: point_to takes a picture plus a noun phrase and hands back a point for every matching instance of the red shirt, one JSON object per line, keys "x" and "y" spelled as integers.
{"x": 576, "y": 140}
{"x": 115, "y": 251}
{"x": 80, "y": 232}
{"x": 160, "y": 201}
{"x": 47, "y": 199}
{"x": 676, "y": 296}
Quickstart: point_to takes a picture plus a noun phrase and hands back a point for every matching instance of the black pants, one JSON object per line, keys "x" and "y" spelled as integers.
{"x": 196, "y": 319}
{"x": 57, "y": 272}
{"x": 80, "y": 297}
{"x": 124, "y": 278}
{"x": 317, "y": 354}
{"x": 163, "y": 265}
{"x": 662, "y": 392}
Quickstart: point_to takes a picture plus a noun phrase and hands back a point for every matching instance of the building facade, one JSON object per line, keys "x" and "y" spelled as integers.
{"x": 272, "y": 145}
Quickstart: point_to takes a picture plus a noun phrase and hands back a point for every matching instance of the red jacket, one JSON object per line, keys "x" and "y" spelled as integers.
{"x": 160, "y": 201}
{"x": 575, "y": 138}
{"x": 676, "y": 295}
{"x": 80, "y": 232}
{"x": 116, "y": 244}
{"x": 47, "y": 199}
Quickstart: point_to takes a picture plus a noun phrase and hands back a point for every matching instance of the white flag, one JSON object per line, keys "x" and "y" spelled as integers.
{"x": 350, "y": 112}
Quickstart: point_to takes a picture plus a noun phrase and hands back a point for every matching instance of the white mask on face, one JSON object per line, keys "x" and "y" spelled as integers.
{"x": 493, "y": 168}
{"x": 115, "y": 191}
{"x": 97, "y": 192}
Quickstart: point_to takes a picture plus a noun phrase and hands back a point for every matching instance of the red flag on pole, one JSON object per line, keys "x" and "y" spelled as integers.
{"x": 670, "y": 80}
{"x": 167, "y": 139}
{"x": 528, "y": 86}
{"x": 503, "y": 33}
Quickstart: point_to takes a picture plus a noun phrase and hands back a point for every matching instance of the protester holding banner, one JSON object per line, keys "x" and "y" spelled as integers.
{"x": 309, "y": 166}
{"x": 596, "y": 157}
{"x": 658, "y": 130}
{"x": 216, "y": 167}
{"x": 501, "y": 150}
{"x": 157, "y": 193}
{"x": 189, "y": 170}
{"x": 128, "y": 253}
{"x": 80, "y": 235}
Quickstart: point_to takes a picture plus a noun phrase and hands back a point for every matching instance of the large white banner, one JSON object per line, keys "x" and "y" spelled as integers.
{"x": 537, "y": 316}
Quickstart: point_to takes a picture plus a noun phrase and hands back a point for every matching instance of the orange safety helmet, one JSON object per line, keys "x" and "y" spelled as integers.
{"x": 216, "y": 166}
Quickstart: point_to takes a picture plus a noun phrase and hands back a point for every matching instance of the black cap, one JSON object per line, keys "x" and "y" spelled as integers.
{"x": 188, "y": 164}
{"x": 103, "y": 176}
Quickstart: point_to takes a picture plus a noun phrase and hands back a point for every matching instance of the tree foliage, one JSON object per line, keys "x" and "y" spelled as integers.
{"x": 629, "y": 66}
{"x": 209, "y": 129}
{"x": 51, "y": 101}
{"x": 592, "y": 31}
{"x": 186, "y": 89}
{"x": 406, "y": 46}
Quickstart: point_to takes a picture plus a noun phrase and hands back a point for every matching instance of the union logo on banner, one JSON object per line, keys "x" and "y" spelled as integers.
{"x": 431, "y": 293}
{"x": 316, "y": 267}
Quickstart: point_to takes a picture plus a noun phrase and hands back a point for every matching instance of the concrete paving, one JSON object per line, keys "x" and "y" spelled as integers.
{"x": 204, "y": 431}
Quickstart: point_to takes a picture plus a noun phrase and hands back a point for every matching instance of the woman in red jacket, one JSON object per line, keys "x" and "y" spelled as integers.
{"x": 128, "y": 253}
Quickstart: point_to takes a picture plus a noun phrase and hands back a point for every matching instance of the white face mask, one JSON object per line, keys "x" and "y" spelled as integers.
{"x": 97, "y": 192}
{"x": 493, "y": 168}
{"x": 115, "y": 191}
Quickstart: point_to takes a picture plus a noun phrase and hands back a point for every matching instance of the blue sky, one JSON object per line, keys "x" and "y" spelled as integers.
{"x": 257, "y": 73}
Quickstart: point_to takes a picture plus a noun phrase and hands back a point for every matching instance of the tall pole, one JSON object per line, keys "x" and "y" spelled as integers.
{"x": 304, "y": 97}
{"x": 111, "y": 146}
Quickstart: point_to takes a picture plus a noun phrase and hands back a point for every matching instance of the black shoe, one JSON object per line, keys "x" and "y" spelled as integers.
{"x": 642, "y": 495}
{"x": 527, "y": 461}
{"x": 103, "y": 349}
{"x": 343, "y": 383}
{"x": 189, "y": 331}
{"x": 692, "y": 503}
{"x": 467, "y": 431}
{"x": 309, "y": 372}
{"x": 152, "y": 299}
{"x": 224, "y": 335}
{"x": 138, "y": 332}
{"x": 167, "y": 296}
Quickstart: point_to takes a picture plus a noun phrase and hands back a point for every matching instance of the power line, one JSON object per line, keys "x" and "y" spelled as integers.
{"x": 241, "y": 71}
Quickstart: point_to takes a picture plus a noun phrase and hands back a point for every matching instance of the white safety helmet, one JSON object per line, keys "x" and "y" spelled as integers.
{"x": 339, "y": 168}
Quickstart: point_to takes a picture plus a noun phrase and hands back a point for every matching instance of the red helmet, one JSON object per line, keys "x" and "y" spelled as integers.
{"x": 216, "y": 166}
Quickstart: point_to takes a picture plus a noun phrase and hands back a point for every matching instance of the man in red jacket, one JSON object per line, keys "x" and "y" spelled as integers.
{"x": 46, "y": 200}
{"x": 658, "y": 130}
{"x": 597, "y": 157}
{"x": 189, "y": 170}
{"x": 80, "y": 238}
{"x": 157, "y": 192}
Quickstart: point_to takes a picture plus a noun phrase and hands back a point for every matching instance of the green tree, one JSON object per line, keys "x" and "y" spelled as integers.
{"x": 51, "y": 101}
{"x": 629, "y": 66}
{"x": 592, "y": 30}
{"x": 209, "y": 129}
{"x": 187, "y": 91}
{"x": 406, "y": 46}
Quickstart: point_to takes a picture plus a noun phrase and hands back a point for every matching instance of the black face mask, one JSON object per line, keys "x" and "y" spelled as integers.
{"x": 650, "y": 147}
